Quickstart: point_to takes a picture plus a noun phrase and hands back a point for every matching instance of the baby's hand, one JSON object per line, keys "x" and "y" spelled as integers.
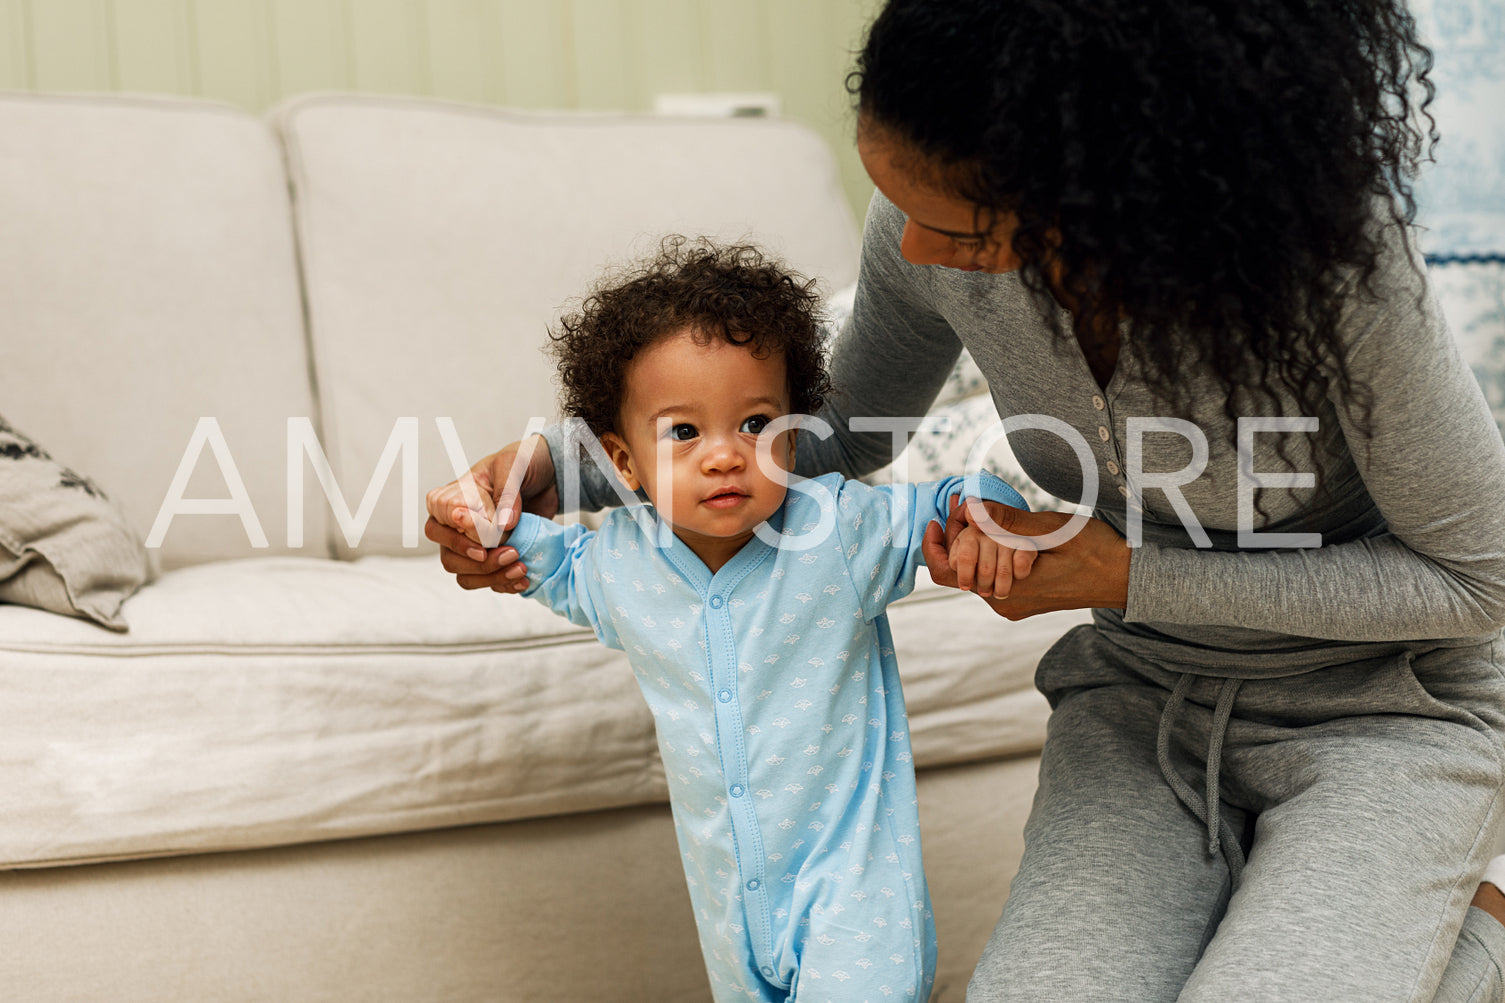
{"x": 987, "y": 560}
{"x": 467, "y": 502}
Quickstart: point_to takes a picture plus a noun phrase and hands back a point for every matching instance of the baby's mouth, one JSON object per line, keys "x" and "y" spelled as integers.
{"x": 726, "y": 496}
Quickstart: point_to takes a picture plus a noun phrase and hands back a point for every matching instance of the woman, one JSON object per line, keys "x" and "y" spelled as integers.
{"x": 1275, "y": 755}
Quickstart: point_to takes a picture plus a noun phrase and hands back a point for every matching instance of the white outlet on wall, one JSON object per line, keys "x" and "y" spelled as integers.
{"x": 752, "y": 104}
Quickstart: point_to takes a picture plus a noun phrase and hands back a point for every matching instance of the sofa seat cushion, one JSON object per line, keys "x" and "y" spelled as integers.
{"x": 285, "y": 700}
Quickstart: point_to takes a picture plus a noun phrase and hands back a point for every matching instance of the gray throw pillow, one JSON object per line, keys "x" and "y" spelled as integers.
{"x": 64, "y": 546}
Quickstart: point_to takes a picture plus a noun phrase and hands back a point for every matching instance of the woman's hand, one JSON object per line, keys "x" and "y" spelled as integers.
{"x": 1089, "y": 571}
{"x": 471, "y": 515}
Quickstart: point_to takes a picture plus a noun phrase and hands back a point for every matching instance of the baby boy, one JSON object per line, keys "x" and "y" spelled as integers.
{"x": 752, "y": 612}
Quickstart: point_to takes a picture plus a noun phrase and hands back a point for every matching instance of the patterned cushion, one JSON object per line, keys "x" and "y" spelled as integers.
{"x": 944, "y": 450}
{"x": 965, "y": 411}
{"x": 64, "y": 546}
{"x": 1471, "y": 291}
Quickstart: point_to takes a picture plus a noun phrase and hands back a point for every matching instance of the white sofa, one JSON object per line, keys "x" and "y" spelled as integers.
{"x": 317, "y": 769}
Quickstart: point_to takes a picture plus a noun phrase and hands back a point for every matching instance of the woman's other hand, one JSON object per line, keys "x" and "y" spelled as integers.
{"x": 471, "y": 515}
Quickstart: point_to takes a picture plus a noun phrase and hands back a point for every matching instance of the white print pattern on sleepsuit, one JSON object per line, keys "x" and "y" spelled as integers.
{"x": 780, "y": 720}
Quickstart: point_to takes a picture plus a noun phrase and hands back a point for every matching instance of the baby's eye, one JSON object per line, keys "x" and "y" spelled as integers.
{"x": 683, "y": 432}
{"x": 968, "y": 243}
{"x": 755, "y": 424}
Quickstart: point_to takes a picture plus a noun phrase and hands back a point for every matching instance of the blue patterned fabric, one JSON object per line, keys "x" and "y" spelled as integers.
{"x": 1462, "y": 195}
{"x": 780, "y": 719}
{"x": 1471, "y": 292}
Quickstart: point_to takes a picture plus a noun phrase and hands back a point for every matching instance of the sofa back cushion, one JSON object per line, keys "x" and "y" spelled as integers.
{"x": 439, "y": 241}
{"x": 148, "y": 280}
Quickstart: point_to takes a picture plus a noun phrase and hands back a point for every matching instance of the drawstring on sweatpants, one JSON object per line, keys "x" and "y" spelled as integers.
{"x": 1220, "y": 834}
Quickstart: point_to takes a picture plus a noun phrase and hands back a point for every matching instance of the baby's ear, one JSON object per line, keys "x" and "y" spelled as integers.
{"x": 621, "y": 458}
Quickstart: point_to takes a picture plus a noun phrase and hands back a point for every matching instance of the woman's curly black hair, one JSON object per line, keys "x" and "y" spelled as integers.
{"x": 1211, "y": 167}
{"x": 733, "y": 292}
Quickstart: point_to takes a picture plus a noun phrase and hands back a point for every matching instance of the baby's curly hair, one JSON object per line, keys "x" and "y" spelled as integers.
{"x": 733, "y": 292}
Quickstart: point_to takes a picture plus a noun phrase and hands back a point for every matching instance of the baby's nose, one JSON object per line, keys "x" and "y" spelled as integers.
{"x": 724, "y": 453}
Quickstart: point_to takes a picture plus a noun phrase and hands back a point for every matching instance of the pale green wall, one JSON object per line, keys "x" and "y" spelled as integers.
{"x": 528, "y": 53}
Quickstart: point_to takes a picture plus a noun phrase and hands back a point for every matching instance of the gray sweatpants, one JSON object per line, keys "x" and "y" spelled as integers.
{"x": 1364, "y": 795}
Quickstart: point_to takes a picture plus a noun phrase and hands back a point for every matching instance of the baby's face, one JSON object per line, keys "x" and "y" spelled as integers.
{"x": 689, "y": 428}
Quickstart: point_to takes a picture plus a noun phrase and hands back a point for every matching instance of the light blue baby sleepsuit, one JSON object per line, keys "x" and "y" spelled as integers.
{"x": 775, "y": 693}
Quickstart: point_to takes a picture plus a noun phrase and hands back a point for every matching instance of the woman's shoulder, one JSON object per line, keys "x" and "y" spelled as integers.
{"x": 883, "y": 217}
